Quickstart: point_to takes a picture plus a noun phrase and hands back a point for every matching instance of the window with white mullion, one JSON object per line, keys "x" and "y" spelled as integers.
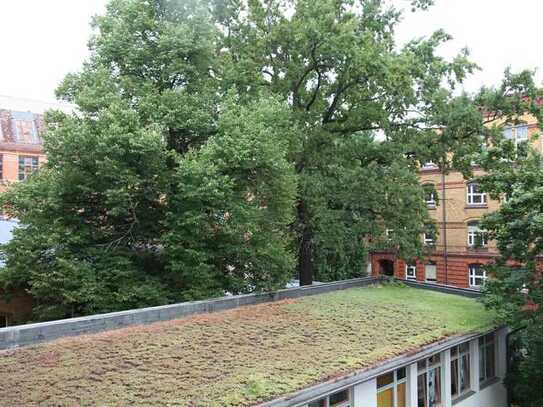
{"x": 392, "y": 389}
{"x": 460, "y": 370}
{"x": 477, "y": 275}
{"x": 487, "y": 358}
{"x": 429, "y": 383}
{"x": 475, "y": 196}
{"x": 410, "y": 271}
{"x": 476, "y": 236}
{"x": 343, "y": 398}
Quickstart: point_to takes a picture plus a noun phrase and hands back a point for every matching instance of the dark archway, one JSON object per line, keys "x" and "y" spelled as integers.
{"x": 386, "y": 268}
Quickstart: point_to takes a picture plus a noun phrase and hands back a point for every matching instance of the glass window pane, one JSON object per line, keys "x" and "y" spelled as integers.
{"x": 464, "y": 374}
{"x": 401, "y": 373}
{"x": 454, "y": 378}
{"x": 422, "y": 391}
{"x": 434, "y": 387}
{"x": 339, "y": 397}
{"x": 522, "y": 132}
{"x": 385, "y": 379}
{"x": 385, "y": 398}
{"x": 481, "y": 361}
{"x": 432, "y": 360}
{"x": 490, "y": 362}
{"x": 401, "y": 395}
{"x": 318, "y": 403}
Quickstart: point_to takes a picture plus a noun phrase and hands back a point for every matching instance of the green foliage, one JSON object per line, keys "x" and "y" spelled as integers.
{"x": 515, "y": 290}
{"x": 202, "y": 127}
{"x": 346, "y": 80}
{"x": 130, "y": 209}
{"x": 234, "y": 197}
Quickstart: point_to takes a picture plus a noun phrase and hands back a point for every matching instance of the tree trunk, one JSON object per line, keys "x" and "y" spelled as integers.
{"x": 305, "y": 252}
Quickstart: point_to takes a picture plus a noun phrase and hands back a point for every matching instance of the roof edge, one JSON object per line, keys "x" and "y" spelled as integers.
{"x": 304, "y": 396}
{"x": 30, "y": 334}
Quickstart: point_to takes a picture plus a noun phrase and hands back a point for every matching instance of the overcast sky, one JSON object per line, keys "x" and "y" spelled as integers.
{"x": 42, "y": 40}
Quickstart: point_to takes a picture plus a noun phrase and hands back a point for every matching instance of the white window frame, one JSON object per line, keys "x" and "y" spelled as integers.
{"x": 472, "y": 195}
{"x": 410, "y": 271}
{"x": 326, "y": 400}
{"x": 483, "y": 343}
{"x": 462, "y": 350}
{"x": 429, "y": 367}
{"x": 475, "y": 232}
{"x": 429, "y": 239}
{"x": 429, "y": 165}
{"x": 431, "y": 202}
{"x": 518, "y": 134}
{"x": 473, "y": 277}
{"x": 394, "y": 385}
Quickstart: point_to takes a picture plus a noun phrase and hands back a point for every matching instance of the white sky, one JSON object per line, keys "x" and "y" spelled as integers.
{"x": 42, "y": 40}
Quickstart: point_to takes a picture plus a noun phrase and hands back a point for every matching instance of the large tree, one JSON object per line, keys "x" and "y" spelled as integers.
{"x": 338, "y": 65}
{"x": 515, "y": 177}
{"x": 216, "y": 145}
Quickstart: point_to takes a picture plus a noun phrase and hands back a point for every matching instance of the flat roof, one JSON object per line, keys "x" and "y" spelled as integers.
{"x": 242, "y": 356}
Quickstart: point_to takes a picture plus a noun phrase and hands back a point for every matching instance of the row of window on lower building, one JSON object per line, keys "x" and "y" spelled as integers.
{"x": 477, "y": 273}
{"x": 27, "y": 165}
{"x": 393, "y": 390}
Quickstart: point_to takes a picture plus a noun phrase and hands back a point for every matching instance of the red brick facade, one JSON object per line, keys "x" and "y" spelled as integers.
{"x": 455, "y": 273}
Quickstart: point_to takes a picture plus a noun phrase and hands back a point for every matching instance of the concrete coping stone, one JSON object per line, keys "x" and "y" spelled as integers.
{"x": 30, "y": 334}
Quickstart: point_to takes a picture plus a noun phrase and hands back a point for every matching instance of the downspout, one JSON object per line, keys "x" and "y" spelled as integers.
{"x": 444, "y": 216}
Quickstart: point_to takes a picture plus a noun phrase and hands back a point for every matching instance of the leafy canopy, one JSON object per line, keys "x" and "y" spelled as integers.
{"x": 217, "y": 147}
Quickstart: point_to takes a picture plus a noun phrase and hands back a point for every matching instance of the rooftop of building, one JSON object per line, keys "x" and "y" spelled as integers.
{"x": 241, "y": 356}
{"x": 21, "y": 104}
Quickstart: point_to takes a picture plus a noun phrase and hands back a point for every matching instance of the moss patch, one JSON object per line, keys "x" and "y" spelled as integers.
{"x": 236, "y": 357}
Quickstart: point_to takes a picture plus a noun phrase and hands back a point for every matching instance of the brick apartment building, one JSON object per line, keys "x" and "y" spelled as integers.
{"x": 461, "y": 248}
{"x": 21, "y": 153}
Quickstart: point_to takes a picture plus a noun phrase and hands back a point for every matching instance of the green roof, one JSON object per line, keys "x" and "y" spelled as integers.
{"x": 237, "y": 357}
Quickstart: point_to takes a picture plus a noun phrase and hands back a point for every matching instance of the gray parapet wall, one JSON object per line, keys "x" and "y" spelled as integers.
{"x": 24, "y": 335}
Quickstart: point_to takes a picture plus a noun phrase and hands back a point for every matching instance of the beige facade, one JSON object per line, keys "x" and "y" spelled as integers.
{"x": 460, "y": 247}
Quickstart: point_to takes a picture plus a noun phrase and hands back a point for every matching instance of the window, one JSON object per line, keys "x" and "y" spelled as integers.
{"x": 392, "y": 389}
{"x": 27, "y": 165}
{"x": 429, "y": 382}
{"x": 342, "y": 398}
{"x": 429, "y": 235}
{"x": 411, "y": 271}
{"x": 487, "y": 358}
{"x": 519, "y": 136}
{"x": 477, "y": 275}
{"x": 460, "y": 370}
{"x": 521, "y": 133}
{"x": 430, "y": 195}
{"x": 475, "y": 196}
{"x": 429, "y": 165}
{"x": 476, "y": 237}
{"x": 430, "y": 272}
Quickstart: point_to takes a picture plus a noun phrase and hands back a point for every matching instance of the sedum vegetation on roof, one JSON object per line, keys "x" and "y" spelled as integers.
{"x": 237, "y": 357}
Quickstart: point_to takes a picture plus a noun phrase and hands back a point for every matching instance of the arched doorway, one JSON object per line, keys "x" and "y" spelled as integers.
{"x": 386, "y": 268}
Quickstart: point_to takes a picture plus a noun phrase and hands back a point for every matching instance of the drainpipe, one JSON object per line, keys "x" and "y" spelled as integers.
{"x": 444, "y": 216}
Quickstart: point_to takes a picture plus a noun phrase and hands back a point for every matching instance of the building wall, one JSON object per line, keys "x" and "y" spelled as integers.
{"x": 451, "y": 251}
{"x": 20, "y": 136}
{"x": 492, "y": 394}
